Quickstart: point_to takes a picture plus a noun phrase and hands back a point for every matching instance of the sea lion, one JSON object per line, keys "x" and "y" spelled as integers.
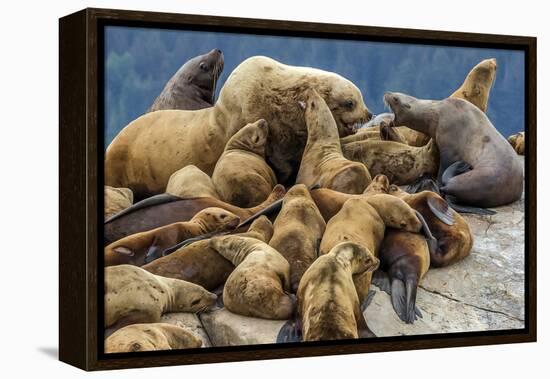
{"x": 322, "y": 161}
{"x": 402, "y": 164}
{"x": 259, "y": 87}
{"x": 133, "y": 296}
{"x": 363, "y": 221}
{"x": 328, "y": 304}
{"x": 297, "y": 232}
{"x": 190, "y": 182}
{"x": 404, "y": 260}
{"x": 477, "y": 166}
{"x": 518, "y": 142}
{"x": 454, "y": 238}
{"x": 116, "y": 200}
{"x": 140, "y": 248}
{"x": 241, "y": 176}
{"x": 200, "y": 264}
{"x": 259, "y": 285}
{"x": 478, "y": 84}
{"x": 193, "y": 86}
{"x": 162, "y": 210}
{"x": 150, "y": 337}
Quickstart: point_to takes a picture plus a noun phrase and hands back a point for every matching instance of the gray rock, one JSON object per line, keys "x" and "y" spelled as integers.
{"x": 188, "y": 321}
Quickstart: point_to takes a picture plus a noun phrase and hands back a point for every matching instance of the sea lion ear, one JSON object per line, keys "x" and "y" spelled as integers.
{"x": 302, "y": 104}
{"x": 124, "y": 251}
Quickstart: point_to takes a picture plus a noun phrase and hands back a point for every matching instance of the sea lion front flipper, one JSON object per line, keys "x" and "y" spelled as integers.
{"x": 381, "y": 280}
{"x": 457, "y": 168}
{"x": 468, "y": 209}
{"x": 145, "y": 203}
{"x": 403, "y": 299}
{"x": 440, "y": 208}
{"x": 291, "y": 331}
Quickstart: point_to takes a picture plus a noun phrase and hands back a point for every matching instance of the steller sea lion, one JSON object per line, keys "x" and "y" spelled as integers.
{"x": 241, "y": 176}
{"x": 260, "y": 284}
{"x": 518, "y": 142}
{"x": 259, "y": 87}
{"x": 166, "y": 209}
{"x": 477, "y": 166}
{"x": 133, "y": 296}
{"x": 454, "y": 238}
{"x": 298, "y": 230}
{"x": 193, "y": 86}
{"x": 190, "y": 182}
{"x": 143, "y": 247}
{"x": 116, "y": 200}
{"x": 200, "y": 264}
{"x": 328, "y": 305}
{"x": 478, "y": 84}
{"x": 322, "y": 161}
{"x": 150, "y": 337}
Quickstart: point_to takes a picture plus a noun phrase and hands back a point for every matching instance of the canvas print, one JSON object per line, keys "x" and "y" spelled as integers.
{"x": 263, "y": 189}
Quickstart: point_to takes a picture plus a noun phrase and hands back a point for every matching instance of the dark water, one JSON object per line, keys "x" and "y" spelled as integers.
{"x": 140, "y": 61}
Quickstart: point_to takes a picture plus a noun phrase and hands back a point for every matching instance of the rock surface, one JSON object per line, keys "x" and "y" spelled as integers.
{"x": 188, "y": 321}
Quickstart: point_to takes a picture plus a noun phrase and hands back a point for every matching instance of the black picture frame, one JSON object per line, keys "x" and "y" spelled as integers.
{"x": 81, "y": 188}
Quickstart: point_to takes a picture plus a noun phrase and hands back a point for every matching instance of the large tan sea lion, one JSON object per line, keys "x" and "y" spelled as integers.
{"x": 260, "y": 284}
{"x": 193, "y": 86}
{"x": 133, "y": 296}
{"x": 190, "y": 182}
{"x": 116, "y": 200}
{"x": 518, "y": 142}
{"x": 477, "y": 166}
{"x": 323, "y": 162}
{"x": 200, "y": 264}
{"x": 478, "y": 84}
{"x": 298, "y": 230}
{"x": 242, "y": 177}
{"x": 140, "y": 248}
{"x": 151, "y": 337}
{"x": 328, "y": 305}
{"x": 147, "y": 151}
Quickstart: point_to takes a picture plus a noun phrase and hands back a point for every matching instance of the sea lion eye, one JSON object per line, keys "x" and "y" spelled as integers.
{"x": 349, "y": 104}
{"x": 203, "y": 66}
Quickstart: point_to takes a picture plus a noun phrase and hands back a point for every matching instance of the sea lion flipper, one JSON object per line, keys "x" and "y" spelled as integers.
{"x": 290, "y": 332}
{"x": 403, "y": 299}
{"x": 423, "y": 183}
{"x": 381, "y": 280}
{"x": 145, "y": 203}
{"x": 468, "y": 209}
{"x": 440, "y": 208}
{"x": 430, "y": 239}
{"x": 367, "y": 300}
{"x": 153, "y": 253}
{"x": 457, "y": 168}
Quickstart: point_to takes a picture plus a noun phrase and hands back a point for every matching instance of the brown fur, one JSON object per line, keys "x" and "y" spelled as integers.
{"x": 518, "y": 142}
{"x": 297, "y": 232}
{"x": 190, "y": 182}
{"x": 200, "y": 264}
{"x": 259, "y": 285}
{"x": 116, "y": 200}
{"x": 477, "y": 85}
{"x": 322, "y": 161}
{"x": 134, "y": 248}
{"x": 241, "y": 176}
{"x": 151, "y": 337}
{"x": 133, "y": 296}
{"x": 327, "y": 300}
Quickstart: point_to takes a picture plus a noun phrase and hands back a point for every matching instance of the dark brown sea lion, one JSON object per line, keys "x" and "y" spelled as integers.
{"x": 162, "y": 210}
{"x": 143, "y": 247}
{"x": 323, "y": 162}
{"x": 193, "y": 86}
{"x": 200, "y": 264}
{"x": 242, "y": 177}
{"x": 518, "y": 142}
{"x": 298, "y": 230}
{"x": 151, "y": 337}
{"x": 477, "y": 166}
{"x": 328, "y": 305}
{"x": 477, "y": 85}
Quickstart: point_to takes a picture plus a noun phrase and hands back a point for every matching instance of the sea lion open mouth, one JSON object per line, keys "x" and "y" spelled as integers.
{"x": 353, "y": 127}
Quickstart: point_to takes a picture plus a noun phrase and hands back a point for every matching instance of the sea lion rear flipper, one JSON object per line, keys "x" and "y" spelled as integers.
{"x": 430, "y": 239}
{"x": 403, "y": 299}
{"x": 291, "y": 331}
{"x": 457, "y": 168}
{"x": 145, "y": 203}
{"x": 440, "y": 208}
{"x": 468, "y": 209}
{"x": 381, "y": 280}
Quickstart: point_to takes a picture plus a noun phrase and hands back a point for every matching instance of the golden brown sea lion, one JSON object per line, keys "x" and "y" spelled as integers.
{"x": 322, "y": 161}
{"x": 260, "y": 284}
{"x": 242, "y": 177}
{"x": 259, "y": 87}
{"x": 151, "y": 337}
{"x": 298, "y": 230}
{"x": 518, "y": 142}
{"x": 200, "y": 264}
{"x": 328, "y": 305}
{"x": 116, "y": 200}
{"x": 402, "y": 164}
{"x": 133, "y": 296}
{"x": 165, "y": 209}
{"x": 140, "y": 248}
{"x": 454, "y": 238}
{"x": 190, "y": 182}
{"x": 193, "y": 86}
{"x": 478, "y": 83}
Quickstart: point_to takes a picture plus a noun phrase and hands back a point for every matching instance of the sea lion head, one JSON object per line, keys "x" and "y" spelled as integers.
{"x": 380, "y": 184}
{"x": 485, "y": 72}
{"x": 261, "y": 229}
{"x": 216, "y": 219}
{"x": 298, "y": 190}
{"x": 395, "y": 212}
{"x": 203, "y": 72}
{"x": 361, "y": 259}
{"x": 252, "y": 138}
{"x": 401, "y": 105}
{"x": 190, "y": 297}
{"x": 396, "y": 191}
